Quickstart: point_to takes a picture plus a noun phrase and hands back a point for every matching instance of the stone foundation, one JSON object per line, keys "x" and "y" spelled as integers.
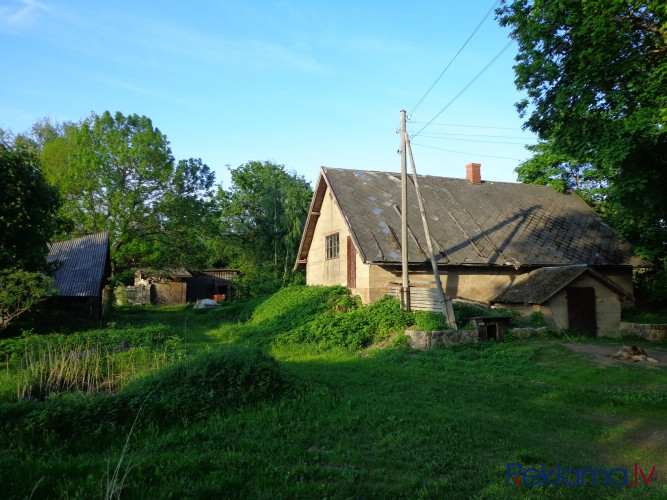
{"x": 429, "y": 340}
{"x": 654, "y": 333}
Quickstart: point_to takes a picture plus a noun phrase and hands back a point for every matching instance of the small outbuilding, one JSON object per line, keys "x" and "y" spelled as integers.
{"x": 83, "y": 268}
{"x": 168, "y": 287}
{"x": 573, "y": 297}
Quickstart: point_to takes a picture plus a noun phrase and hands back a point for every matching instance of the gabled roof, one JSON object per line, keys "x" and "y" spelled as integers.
{"x": 490, "y": 224}
{"x": 541, "y": 284}
{"x": 175, "y": 273}
{"x": 83, "y": 263}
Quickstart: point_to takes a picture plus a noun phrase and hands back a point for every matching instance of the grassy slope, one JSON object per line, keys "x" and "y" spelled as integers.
{"x": 369, "y": 424}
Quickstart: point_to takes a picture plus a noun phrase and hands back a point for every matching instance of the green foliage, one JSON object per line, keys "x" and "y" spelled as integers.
{"x": 28, "y": 210}
{"x": 464, "y": 311}
{"x": 220, "y": 381}
{"x": 57, "y": 369}
{"x": 116, "y": 173}
{"x": 351, "y": 325}
{"x": 21, "y": 291}
{"x": 534, "y": 320}
{"x": 426, "y": 321}
{"x": 393, "y": 423}
{"x": 262, "y": 216}
{"x": 594, "y": 73}
{"x": 108, "y": 338}
{"x": 651, "y": 284}
{"x": 549, "y": 167}
{"x": 645, "y": 317}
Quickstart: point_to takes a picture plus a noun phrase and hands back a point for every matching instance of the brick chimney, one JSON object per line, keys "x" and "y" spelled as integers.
{"x": 473, "y": 173}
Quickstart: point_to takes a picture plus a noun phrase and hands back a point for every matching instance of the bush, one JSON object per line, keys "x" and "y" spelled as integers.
{"x": 21, "y": 291}
{"x": 348, "y": 323}
{"x": 193, "y": 389}
{"x": 428, "y": 321}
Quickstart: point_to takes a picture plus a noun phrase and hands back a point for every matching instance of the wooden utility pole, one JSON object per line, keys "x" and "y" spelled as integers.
{"x": 445, "y": 301}
{"x": 405, "y": 288}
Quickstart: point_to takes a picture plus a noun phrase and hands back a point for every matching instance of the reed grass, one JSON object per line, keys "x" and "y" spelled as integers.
{"x": 54, "y": 368}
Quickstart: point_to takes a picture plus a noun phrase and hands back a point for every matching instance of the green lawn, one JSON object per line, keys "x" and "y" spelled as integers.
{"x": 352, "y": 423}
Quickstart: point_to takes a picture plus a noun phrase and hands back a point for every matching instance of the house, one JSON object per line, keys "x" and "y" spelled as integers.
{"x": 485, "y": 235}
{"x": 83, "y": 267}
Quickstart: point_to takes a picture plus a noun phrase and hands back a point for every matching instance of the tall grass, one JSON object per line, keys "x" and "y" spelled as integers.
{"x": 52, "y": 368}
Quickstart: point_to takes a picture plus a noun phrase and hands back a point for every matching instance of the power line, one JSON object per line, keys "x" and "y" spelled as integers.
{"x": 447, "y": 134}
{"x": 472, "y": 140}
{"x": 454, "y": 58}
{"x": 467, "y": 154}
{"x": 466, "y": 87}
{"x": 464, "y": 126}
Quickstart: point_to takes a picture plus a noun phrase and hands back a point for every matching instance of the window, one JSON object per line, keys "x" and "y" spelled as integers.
{"x": 331, "y": 244}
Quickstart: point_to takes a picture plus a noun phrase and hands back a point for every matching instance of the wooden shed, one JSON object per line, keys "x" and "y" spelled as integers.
{"x": 83, "y": 267}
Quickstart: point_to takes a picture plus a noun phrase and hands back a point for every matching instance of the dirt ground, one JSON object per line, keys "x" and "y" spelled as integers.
{"x": 600, "y": 354}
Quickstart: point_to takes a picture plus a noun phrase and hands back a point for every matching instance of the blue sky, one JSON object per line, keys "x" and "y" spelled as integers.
{"x": 300, "y": 83}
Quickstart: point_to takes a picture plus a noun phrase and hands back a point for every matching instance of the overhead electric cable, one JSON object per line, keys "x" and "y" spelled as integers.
{"x": 466, "y": 87}
{"x": 414, "y": 122}
{"x": 458, "y": 139}
{"x": 467, "y": 154}
{"x": 454, "y": 58}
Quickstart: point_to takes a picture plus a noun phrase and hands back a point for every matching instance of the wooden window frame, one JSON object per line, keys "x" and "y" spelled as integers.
{"x": 332, "y": 246}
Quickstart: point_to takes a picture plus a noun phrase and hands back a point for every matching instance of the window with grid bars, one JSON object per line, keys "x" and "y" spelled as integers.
{"x": 332, "y": 246}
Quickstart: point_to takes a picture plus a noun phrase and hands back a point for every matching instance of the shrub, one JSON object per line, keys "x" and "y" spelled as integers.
{"x": 430, "y": 321}
{"x": 21, "y": 291}
{"x": 348, "y": 323}
{"x": 192, "y": 389}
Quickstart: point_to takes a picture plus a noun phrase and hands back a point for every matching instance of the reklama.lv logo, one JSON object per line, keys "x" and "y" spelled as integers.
{"x": 573, "y": 477}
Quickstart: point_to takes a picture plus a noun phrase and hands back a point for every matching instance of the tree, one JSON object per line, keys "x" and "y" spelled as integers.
{"x": 28, "y": 219}
{"x": 20, "y": 291}
{"x": 595, "y": 75}
{"x": 117, "y": 174}
{"x": 548, "y": 167}
{"x": 28, "y": 210}
{"x": 262, "y": 216}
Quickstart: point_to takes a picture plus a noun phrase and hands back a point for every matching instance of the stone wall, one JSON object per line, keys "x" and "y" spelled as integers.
{"x": 137, "y": 295}
{"x": 429, "y": 340}
{"x": 654, "y": 333}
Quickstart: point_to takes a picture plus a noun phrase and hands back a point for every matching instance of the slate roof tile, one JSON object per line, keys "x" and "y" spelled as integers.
{"x": 492, "y": 223}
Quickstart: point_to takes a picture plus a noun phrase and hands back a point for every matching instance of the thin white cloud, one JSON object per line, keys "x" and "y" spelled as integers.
{"x": 20, "y": 14}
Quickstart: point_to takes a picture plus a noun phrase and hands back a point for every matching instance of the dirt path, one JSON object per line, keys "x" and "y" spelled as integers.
{"x": 600, "y": 354}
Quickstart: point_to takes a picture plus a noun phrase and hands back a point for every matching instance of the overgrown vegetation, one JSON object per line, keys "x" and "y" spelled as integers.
{"x": 281, "y": 397}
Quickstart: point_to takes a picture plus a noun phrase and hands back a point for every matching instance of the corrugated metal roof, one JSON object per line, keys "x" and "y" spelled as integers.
{"x": 490, "y": 224}
{"x": 174, "y": 273}
{"x": 541, "y": 284}
{"x": 83, "y": 262}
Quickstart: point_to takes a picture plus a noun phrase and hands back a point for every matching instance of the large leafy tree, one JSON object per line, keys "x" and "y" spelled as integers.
{"x": 595, "y": 75}
{"x": 561, "y": 171}
{"x": 262, "y": 216}
{"x": 28, "y": 219}
{"x": 116, "y": 173}
{"x": 28, "y": 210}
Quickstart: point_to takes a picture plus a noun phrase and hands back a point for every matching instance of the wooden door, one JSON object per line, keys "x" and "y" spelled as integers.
{"x": 581, "y": 310}
{"x": 351, "y": 264}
